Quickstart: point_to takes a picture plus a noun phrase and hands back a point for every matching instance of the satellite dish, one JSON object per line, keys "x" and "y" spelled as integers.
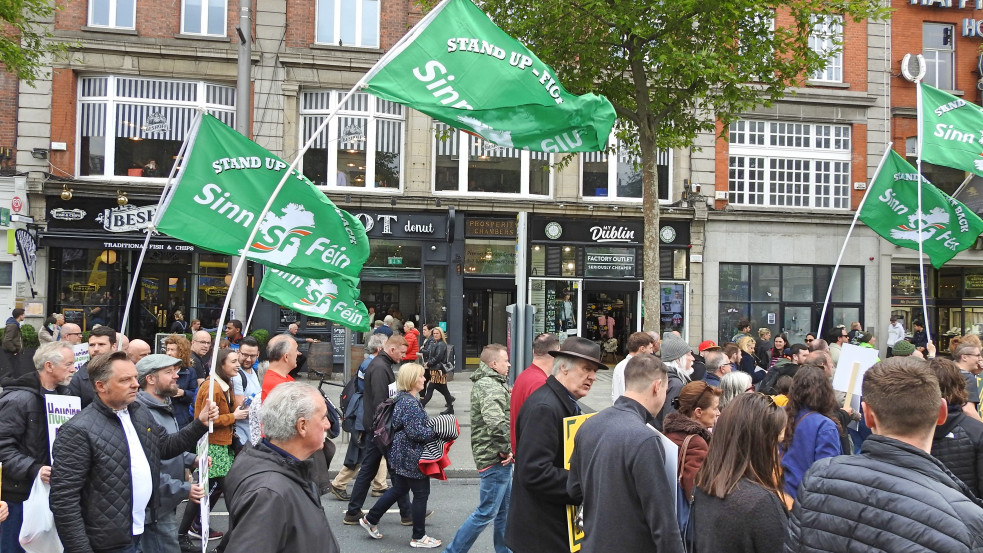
{"x": 913, "y": 67}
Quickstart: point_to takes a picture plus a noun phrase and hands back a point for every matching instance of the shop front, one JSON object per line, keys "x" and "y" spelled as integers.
{"x": 585, "y": 277}
{"x": 94, "y": 244}
{"x": 489, "y": 280}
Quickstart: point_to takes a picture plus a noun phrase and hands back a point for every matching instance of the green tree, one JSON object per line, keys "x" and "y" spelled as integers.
{"x": 674, "y": 70}
{"x": 25, "y": 48}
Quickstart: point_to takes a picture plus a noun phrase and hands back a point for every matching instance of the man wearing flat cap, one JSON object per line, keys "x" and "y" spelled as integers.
{"x": 537, "y": 512}
{"x": 158, "y": 378}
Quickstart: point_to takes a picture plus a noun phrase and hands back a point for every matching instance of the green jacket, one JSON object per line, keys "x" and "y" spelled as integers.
{"x": 489, "y": 416}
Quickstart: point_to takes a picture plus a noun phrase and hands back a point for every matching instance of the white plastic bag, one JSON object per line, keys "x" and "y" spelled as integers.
{"x": 37, "y": 533}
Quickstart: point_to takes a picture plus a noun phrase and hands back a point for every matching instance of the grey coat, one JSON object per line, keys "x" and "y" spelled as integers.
{"x": 173, "y": 487}
{"x": 617, "y": 471}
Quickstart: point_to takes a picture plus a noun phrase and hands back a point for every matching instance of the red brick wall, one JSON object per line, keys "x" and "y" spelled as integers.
{"x": 63, "y": 120}
{"x": 8, "y": 112}
{"x": 154, "y": 19}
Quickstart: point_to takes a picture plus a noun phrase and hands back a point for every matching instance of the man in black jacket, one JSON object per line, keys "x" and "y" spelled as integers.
{"x": 380, "y": 373}
{"x": 101, "y": 340}
{"x": 24, "y": 432}
{"x": 274, "y": 507}
{"x": 893, "y": 496}
{"x": 537, "y": 520}
{"x": 106, "y": 473}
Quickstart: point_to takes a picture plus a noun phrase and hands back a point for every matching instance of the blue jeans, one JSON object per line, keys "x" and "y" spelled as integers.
{"x": 162, "y": 536}
{"x": 493, "y": 505}
{"x": 400, "y": 489}
{"x": 10, "y": 529}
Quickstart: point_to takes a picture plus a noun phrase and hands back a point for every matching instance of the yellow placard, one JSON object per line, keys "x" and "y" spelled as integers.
{"x": 570, "y": 427}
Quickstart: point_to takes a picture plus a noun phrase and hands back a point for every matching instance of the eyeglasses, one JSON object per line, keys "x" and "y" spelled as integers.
{"x": 771, "y": 400}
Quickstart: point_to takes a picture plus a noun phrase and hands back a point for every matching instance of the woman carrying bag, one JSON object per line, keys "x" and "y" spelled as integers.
{"x": 437, "y": 363}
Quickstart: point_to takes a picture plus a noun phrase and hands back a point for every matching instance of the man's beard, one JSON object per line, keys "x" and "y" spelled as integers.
{"x": 167, "y": 392}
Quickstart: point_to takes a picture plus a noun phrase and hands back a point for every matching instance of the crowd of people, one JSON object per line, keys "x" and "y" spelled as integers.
{"x": 742, "y": 447}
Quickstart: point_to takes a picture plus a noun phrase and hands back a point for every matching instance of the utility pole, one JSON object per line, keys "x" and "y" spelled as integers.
{"x": 243, "y": 119}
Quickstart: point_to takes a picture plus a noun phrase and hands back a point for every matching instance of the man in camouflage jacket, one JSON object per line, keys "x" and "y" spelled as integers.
{"x": 491, "y": 445}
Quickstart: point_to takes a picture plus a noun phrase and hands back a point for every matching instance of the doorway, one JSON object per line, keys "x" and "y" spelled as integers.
{"x": 163, "y": 289}
{"x": 485, "y": 319}
{"x": 610, "y": 314}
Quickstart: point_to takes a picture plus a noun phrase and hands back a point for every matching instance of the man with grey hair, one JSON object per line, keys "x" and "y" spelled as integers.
{"x": 618, "y": 468}
{"x": 656, "y": 341}
{"x": 282, "y": 353}
{"x": 537, "y": 518}
{"x": 274, "y": 507}
{"x": 717, "y": 366}
{"x": 24, "y": 432}
{"x": 106, "y": 472}
{"x": 386, "y": 327}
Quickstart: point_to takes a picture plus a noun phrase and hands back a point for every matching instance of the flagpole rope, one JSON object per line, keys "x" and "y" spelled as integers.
{"x": 856, "y": 216}
{"x": 921, "y": 216}
{"x": 158, "y": 213}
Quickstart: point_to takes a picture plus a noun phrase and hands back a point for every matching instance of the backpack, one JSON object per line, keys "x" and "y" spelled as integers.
{"x": 382, "y": 424}
{"x": 352, "y": 387}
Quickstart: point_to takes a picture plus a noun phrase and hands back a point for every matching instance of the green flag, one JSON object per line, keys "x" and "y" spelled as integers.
{"x": 891, "y": 210}
{"x": 331, "y": 298}
{"x": 224, "y": 185}
{"x": 951, "y": 130}
{"x": 458, "y": 67}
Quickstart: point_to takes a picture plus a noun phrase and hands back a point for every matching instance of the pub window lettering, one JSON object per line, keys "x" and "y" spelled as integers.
{"x": 118, "y": 14}
{"x": 360, "y": 148}
{"x": 132, "y": 128}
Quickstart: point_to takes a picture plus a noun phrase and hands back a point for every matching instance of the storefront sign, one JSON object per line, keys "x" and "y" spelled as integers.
{"x": 490, "y": 228}
{"x": 972, "y": 281}
{"x": 127, "y": 218}
{"x": 4, "y": 217}
{"x": 609, "y": 262}
{"x": 908, "y": 284}
{"x": 67, "y": 214}
{"x": 593, "y": 231}
{"x": 156, "y": 122}
{"x": 403, "y": 225}
{"x": 82, "y": 288}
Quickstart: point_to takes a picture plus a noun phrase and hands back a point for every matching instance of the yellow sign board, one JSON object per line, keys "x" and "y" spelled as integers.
{"x": 570, "y": 427}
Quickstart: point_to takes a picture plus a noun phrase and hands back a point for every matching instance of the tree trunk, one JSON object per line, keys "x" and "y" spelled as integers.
{"x": 650, "y": 208}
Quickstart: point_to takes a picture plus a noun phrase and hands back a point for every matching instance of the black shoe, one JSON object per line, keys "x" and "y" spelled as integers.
{"x": 408, "y": 521}
{"x": 448, "y": 411}
{"x": 340, "y": 493}
{"x": 352, "y": 520}
{"x": 451, "y": 400}
{"x": 186, "y": 545}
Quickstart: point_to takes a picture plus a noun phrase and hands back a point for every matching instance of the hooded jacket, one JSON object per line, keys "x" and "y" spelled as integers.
{"x": 274, "y": 506}
{"x": 676, "y": 427}
{"x": 91, "y": 486}
{"x": 412, "y": 337}
{"x": 490, "y": 416}
{"x": 852, "y": 503}
{"x": 23, "y": 435}
{"x": 173, "y": 487}
{"x": 12, "y": 341}
{"x": 958, "y": 443}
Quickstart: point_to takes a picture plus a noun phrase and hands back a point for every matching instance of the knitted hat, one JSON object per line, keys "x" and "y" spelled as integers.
{"x": 865, "y": 337}
{"x": 154, "y": 363}
{"x": 903, "y": 348}
{"x": 673, "y": 348}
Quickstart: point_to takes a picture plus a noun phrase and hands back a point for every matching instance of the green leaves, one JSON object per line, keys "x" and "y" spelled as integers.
{"x": 25, "y": 45}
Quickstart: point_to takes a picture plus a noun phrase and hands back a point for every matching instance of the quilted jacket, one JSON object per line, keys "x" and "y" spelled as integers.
{"x": 23, "y": 435}
{"x": 91, "y": 489}
{"x": 958, "y": 443}
{"x": 489, "y": 416}
{"x": 852, "y": 503}
{"x": 412, "y": 431}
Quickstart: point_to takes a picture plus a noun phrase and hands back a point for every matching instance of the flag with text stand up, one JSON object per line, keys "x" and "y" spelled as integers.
{"x": 951, "y": 130}
{"x": 460, "y": 68}
{"x": 224, "y": 185}
{"x": 891, "y": 210}
{"x": 331, "y": 298}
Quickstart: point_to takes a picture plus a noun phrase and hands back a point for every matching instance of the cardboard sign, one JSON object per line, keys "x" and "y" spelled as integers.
{"x": 59, "y": 409}
{"x": 853, "y": 364}
{"x": 81, "y": 355}
{"x": 570, "y": 427}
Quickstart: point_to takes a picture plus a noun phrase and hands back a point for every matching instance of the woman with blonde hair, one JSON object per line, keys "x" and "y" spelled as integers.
{"x": 747, "y": 363}
{"x": 412, "y": 430}
{"x": 437, "y": 361}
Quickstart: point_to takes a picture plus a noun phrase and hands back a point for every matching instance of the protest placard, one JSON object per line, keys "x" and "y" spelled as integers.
{"x": 59, "y": 409}
{"x": 853, "y": 364}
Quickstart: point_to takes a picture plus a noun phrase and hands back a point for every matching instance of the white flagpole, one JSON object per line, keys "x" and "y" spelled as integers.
{"x": 161, "y": 206}
{"x": 856, "y": 216}
{"x": 252, "y": 310}
{"x": 921, "y": 215}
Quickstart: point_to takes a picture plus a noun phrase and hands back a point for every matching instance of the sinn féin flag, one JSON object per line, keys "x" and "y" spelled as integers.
{"x": 224, "y": 185}
{"x": 458, "y": 67}
{"x": 946, "y": 227}
{"x": 951, "y": 130}
{"x": 332, "y": 298}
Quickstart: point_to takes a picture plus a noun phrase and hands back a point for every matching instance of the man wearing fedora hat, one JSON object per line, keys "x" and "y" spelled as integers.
{"x": 537, "y": 512}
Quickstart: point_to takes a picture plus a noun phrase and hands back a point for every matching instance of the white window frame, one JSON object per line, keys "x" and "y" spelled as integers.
{"x": 112, "y": 15}
{"x": 664, "y": 157}
{"x": 933, "y": 55}
{"x": 204, "y": 19}
{"x": 336, "y": 28}
{"x": 225, "y": 112}
{"x": 373, "y": 114}
{"x": 814, "y": 158}
{"x": 826, "y": 40}
{"x": 464, "y": 143}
